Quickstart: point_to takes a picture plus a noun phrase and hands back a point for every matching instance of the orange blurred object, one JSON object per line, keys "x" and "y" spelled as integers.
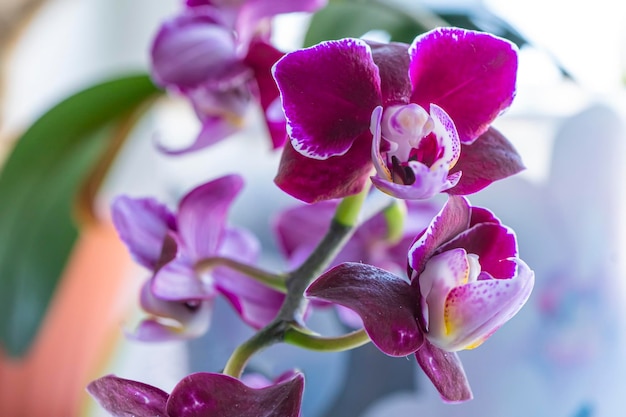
{"x": 79, "y": 332}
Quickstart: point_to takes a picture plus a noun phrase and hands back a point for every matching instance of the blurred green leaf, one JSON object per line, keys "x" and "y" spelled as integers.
{"x": 38, "y": 185}
{"x": 342, "y": 20}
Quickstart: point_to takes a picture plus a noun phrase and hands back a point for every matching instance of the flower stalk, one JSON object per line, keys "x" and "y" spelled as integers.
{"x": 292, "y": 309}
{"x": 274, "y": 281}
{"x": 298, "y": 337}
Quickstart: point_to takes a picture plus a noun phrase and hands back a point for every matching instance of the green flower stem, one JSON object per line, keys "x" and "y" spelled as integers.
{"x": 290, "y": 314}
{"x": 269, "y": 335}
{"x": 348, "y": 211}
{"x": 395, "y": 216}
{"x": 297, "y": 337}
{"x": 274, "y": 281}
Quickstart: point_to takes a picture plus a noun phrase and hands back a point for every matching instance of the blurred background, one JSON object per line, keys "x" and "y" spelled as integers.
{"x": 562, "y": 356}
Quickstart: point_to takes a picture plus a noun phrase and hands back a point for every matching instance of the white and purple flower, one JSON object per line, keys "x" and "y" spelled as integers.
{"x": 178, "y": 298}
{"x": 465, "y": 281}
{"x": 419, "y": 114}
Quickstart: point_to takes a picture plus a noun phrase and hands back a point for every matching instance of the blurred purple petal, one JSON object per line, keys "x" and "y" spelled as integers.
{"x": 207, "y": 394}
{"x": 385, "y": 303}
{"x": 202, "y": 215}
{"x": 183, "y": 319}
{"x": 303, "y": 225}
{"x": 490, "y": 158}
{"x": 471, "y": 75}
{"x": 177, "y": 280}
{"x": 192, "y": 48}
{"x": 256, "y": 303}
{"x": 214, "y": 129}
{"x": 142, "y": 224}
{"x": 326, "y": 109}
{"x": 445, "y": 371}
{"x": 123, "y": 397}
{"x": 260, "y": 58}
{"x": 252, "y": 12}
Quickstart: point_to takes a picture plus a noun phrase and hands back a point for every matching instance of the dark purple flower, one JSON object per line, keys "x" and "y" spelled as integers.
{"x": 214, "y": 53}
{"x": 171, "y": 244}
{"x": 465, "y": 281}
{"x": 200, "y": 395}
{"x": 405, "y": 110}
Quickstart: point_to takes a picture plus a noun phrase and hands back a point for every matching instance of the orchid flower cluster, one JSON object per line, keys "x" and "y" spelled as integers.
{"x": 414, "y": 277}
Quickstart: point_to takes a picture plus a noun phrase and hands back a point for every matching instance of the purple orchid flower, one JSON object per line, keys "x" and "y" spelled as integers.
{"x": 414, "y": 113}
{"x": 200, "y": 394}
{"x": 213, "y": 54}
{"x": 465, "y": 281}
{"x": 171, "y": 244}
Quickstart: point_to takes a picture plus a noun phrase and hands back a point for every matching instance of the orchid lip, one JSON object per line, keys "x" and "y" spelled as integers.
{"x": 413, "y": 137}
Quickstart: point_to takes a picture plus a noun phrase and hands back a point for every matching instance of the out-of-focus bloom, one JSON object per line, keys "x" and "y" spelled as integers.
{"x": 217, "y": 54}
{"x": 171, "y": 244}
{"x": 465, "y": 281}
{"x": 251, "y": 17}
{"x": 299, "y": 229}
{"x": 412, "y": 112}
{"x": 200, "y": 394}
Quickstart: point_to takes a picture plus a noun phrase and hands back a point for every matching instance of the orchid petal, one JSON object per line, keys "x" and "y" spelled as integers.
{"x": 177, "y": 281}
{"x": 474, "y": 311}
{"x": 447, "y": 136}
{"x": 313, "y": 180}
{"x": 302, "y": 225}
{"x": 208, "y": 394}
{"x": 183, "y": 319}
{"x": 192, "y": 48}
{"x": 254, "y": 302}
{"x": 494, "y": 244}
{"x": 252, "y": 12}
{"x": 326, "y": 109}
{"x": 123, "y": 397}
{"x": 490, "y": 158}
{"x": 392, "y": 60}
{"x": 260, "y": 58}
{"x": 482, "y": 215}
{"x": 155, "y": 330}
{"x": 453, "y": 219}
{"x": 385, "y": 303}
{"x": 202, "y": 215}
{"x": 214, "y": 129}
{"x": 142, "y": 225}
{"x": 445, "y": 371}
{"x": 443, "y": 272}
{"x": 469, "y": 74}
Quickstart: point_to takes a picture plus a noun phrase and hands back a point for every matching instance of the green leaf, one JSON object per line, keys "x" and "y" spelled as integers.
{"x": 38, "y": 186}
{"x": 344, "y": 20}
